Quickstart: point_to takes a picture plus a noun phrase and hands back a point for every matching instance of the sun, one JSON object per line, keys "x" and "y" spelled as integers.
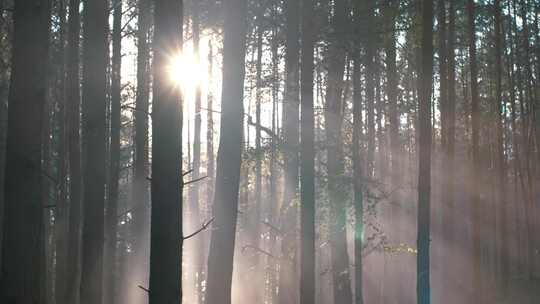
{"x": 185, "y": 70}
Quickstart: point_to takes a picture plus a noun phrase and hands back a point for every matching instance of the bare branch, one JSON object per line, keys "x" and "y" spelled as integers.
{"x": 195, "y": 180}
{"x": 203, "y": 227}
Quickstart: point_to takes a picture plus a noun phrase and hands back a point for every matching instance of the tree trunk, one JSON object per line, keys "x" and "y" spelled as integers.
{"x": 424, "y": 154}
{"x": 220, "y": 260}
{"x": 138, "y": 260}
{"x": 166, "y": 237}
{"x": 336, "y": 169}
{"x": 288, "y": 284}
{"x": 307, "y": 154}
{"x": 114, "y": 165}
{"x": 22, "y": 268}
{"x": 74, "y": 150}
{"x": 94, "y": 100}
{"x": 475, "y": 121}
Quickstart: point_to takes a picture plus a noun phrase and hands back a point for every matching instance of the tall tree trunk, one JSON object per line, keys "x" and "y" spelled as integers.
{"x": 22, "y": 268}
{"x": 210, "y": 170}
{"x": 166, "y": 237}
{"x": 391, "y": 8}
{"x": 114, "y": 165}
{"x": 424, "y": 165}
{"x": 336, "y": 192}
{"x": 73, "y": 104}
{"x": 370, "y": 45}
{"x": 220, "y": 260}
{"x": 138, "y": 270}
{"x": 450, "y": 127}
{"x": 475, "y": 121}
{"x": 288, "y": 285}
{"x": 198, "y": 260}
{"x": 61, "y": 215}
{"x": 503, "y": 252}
{"x": 307, "y": 154}
{"x": 358, "y": 202}
{"x": 94, "y": 100}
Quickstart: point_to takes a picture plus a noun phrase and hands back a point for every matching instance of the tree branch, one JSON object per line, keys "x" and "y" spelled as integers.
{"x": 203, "y": 227}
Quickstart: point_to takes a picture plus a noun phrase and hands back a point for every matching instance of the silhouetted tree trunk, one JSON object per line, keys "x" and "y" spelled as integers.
{"x": 94, "y": 100}
{"x": 166, "y": 237}
{"x": 61, "y": 210}
{"x": 424, "y": 154}
{"x": 368, "y": 10}
{"x": 73, "y": 104}
{"x": 449, "y": 128}
{"x": 307, "y": 155}
{"x": 503, "y": 247}
{"x": 336, "y": 169}
{"x": 475, "y": 121}
{"x": 114, "y": 164}
{"x": 138, "y": 261}
{"x": 288, "y": 284}
{"x": 391, "y": 10}
{"x": 220, "y": 260}
{"x": 23, "y": 240}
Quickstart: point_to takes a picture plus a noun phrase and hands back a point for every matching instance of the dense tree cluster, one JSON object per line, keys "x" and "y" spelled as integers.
{"x": 265, "y": 151}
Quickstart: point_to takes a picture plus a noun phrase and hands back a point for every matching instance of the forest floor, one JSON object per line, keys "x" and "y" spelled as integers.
{"x": 523, "y": 292}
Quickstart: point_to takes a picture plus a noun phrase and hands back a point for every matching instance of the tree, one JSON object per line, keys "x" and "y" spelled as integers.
{"x": 424, "y": 156}
{"x": 114, "y": 160}
{"x": 73, "y": 101}
{"x": 307, "y": 156}
{"x": 225, "y": 208}
{"x": 166, "y": 237}
{"x": 291, "y": 108}
{"x": 137, "y": 272}
{"x": 335, "y": 163}
{"x": 94, "y": 100}
{"x": 475, "y": 121}
{"x": 23, "y": 237}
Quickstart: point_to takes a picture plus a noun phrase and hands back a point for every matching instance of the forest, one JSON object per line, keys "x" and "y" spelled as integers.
{"x": 269, "y": 151}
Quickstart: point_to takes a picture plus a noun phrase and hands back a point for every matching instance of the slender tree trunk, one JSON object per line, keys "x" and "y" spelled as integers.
{"x": 370, "y": 45}
{"x": 166, "y": 237}
{"x": 288, "y": 284}
{"x": 73, "y": 103}
{"x": 358, "y": 202}
{"x": 475, "y": 121}
{"x": 336, "y": 192}
{"x": 210, "y": 170}
{"x": 503, "y": 252}
{"x": 424, "y": 154}
{"x": 61, "y": 210}
{"x": 307, "y": 154}
{"x": 220, "y": 260}
{"x": 138, "y": 261}
{"x": 95, "y": 59}
{"x": 22, "y": 268}
{"x": 114, "y": 165}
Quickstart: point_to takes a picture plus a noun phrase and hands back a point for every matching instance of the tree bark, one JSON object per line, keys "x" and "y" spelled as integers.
{"x": 288, "y": 284}
{"x": 335, "y": 166}
{"x": 424, "y": 154}
{"x": 166, "y": 236}
{"x": 220, "y": 260}
{"x": 475, "y": 121}
{"x": 22, "y": 268}
{"x": 307, "y": 154}
{"x": 114, "y": 164}
{"x": 74, "y": 150}
{"x": 94, "y": 100}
